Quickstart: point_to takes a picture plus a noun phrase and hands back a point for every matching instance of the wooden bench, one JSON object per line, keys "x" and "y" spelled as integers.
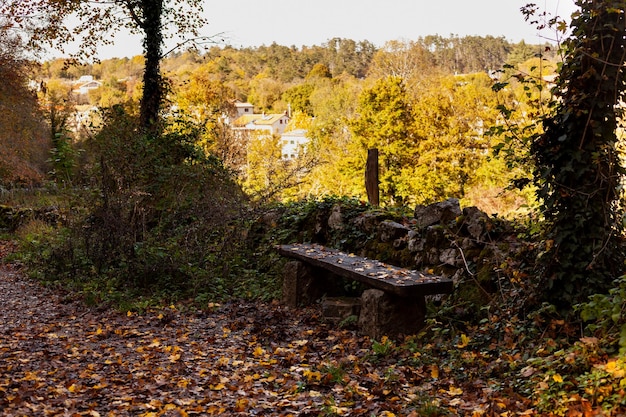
{"x": 393, "y": 305}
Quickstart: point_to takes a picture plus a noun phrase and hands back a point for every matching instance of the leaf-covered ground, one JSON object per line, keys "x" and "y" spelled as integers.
{"x": 60, "y": 358}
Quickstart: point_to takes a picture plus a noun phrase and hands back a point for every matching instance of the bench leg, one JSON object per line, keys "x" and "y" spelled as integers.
{"x": 383, "y": 314}
{"x": 299, "y": 284}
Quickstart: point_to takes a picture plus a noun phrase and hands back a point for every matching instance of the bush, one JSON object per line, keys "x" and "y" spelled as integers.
{"x": 158, "y": 219}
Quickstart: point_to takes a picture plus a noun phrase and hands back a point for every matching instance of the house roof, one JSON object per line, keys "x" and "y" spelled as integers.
{"x": 257, "y": 119}
{"x": 297, "y": 133}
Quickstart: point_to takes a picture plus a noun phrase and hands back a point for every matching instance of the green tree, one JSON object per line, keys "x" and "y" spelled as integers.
{"x": 578, "y": 170}
{"x": 348, "y": 56}
{"x": 298, "y": 98}
{"x": 384, "y": 121}
{"x": 522, "y": 52}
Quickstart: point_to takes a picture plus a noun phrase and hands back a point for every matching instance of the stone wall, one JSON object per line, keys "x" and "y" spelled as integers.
{"x": 464, "y": 244}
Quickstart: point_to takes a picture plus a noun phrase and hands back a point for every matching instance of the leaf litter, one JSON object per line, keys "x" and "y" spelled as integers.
{"x": 61, "y": 358}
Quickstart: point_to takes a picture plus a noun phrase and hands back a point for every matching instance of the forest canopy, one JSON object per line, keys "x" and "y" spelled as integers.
{"x": 327, "y": 90}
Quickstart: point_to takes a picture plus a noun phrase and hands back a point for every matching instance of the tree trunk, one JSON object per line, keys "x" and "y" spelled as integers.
{"x": 371, "y": 177}
{"x": 152, "y": 83}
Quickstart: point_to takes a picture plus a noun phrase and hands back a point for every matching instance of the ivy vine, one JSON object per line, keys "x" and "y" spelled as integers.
{"x": 578, "y": 170}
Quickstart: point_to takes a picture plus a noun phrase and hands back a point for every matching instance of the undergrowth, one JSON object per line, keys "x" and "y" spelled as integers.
{"x": 171, "y": 227}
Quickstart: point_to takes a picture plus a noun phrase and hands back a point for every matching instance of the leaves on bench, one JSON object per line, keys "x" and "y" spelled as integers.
{"x": 400, "y": 281}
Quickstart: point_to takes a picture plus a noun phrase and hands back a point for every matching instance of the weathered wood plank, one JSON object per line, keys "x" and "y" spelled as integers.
{"x": 376, "y": 274}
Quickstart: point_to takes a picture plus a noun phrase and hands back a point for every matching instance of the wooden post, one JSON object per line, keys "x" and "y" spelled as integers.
{"x": 371, "y": 177}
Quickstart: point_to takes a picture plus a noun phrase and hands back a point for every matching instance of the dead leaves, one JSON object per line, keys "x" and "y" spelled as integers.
{"x": 235, "y": 359}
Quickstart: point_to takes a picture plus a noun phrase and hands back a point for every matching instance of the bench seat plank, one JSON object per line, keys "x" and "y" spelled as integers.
{"x": 389, "y": 278}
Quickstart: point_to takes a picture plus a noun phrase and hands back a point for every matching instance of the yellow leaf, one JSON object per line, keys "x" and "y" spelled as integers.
{"x": 217, "y": 387}
{"x": 387, "y": 414}
{"x": 73, "y": 388}
{"x": 434, "y": 372}
{"x": 30, "y": 376}
{"x": 312, "y": 375}
{"x": 455, "y": 391}
{"x": 129, "y": 313}
{"x": 610, "y": 366}
{"x": 464, "y": 341}
{"x": 258, "y": 351}
{"x": 241, "y": 405}
{"x": 557, "y": 378}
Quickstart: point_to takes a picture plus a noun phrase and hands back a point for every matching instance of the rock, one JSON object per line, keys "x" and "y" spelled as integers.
{"x": 339, "y": 309}
{"x": 390, "y": 230}
{"x": 299, "y": 285}
{"x": 335, "y": 220}
{"x": 367, "y": 222}
{"x": 477, "y": 223}
{"x": 450, "y": 257}
{"x": 387, "y": 315}
{"x": 441, "y": 213}
{"x": 432, "y": 256}
{"x": 415, "y": 242}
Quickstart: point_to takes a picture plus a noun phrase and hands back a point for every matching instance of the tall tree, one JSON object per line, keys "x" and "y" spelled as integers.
{"x": 98, "y": 23}
{"x": 578, "y": 169}
{"x": 384, "y": 121}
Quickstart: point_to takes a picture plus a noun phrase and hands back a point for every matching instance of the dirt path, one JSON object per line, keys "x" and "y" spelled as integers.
{"x": 60, "y": 358}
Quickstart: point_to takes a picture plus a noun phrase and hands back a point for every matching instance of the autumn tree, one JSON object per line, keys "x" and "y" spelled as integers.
{"x": 578, "y": 169}
{"x": 207, "y": 100}
{"x": 98, "y": 23}
{"x": 384, "y": 121}
{"x": 449, "y": 115}
{"x": 410, "y": 61}
{"x": 24, "y": 144}
{"x": 58, "y": 105}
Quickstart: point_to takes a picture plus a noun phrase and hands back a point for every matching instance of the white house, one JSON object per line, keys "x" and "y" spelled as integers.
{"x": 293, "y": 143}
{"x": 271, "y": 124}
{"x": 86, "y": 83}
{"x": 243, "y": 108}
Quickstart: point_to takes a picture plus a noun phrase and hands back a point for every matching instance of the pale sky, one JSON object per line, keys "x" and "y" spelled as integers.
{"x": 244, "y": 23}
